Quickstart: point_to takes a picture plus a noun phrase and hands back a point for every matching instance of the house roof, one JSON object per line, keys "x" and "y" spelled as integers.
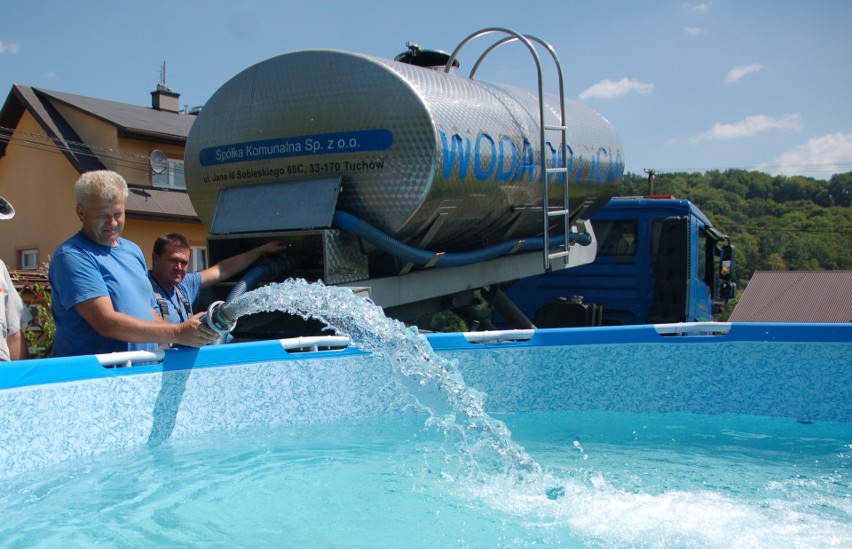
{"x": 130, "y": 121}
{"x": 796, "y": 296}
{"x": 24, "y": 98}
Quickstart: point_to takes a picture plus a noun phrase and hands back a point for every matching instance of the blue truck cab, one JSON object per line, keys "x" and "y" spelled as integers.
{"x": 659, "y": 260}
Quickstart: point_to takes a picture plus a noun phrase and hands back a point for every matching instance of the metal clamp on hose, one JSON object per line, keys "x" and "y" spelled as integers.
{"x": 217, "y": 321}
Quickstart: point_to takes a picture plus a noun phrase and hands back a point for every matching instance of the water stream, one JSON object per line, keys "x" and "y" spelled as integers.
{"x": 482, "y": 443}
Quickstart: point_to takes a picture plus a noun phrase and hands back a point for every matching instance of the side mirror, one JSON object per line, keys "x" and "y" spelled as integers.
{"x": 727, "y": 288}
{"x": 726, "y": 262}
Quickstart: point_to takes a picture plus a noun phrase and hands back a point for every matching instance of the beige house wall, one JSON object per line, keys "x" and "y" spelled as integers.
{"x": 114, "y": 153}
{"x": 92, "y": 131}
{"x": 37, "y": 178}
{"x": 39, "y": 182}
{"x": 145, "y": 233}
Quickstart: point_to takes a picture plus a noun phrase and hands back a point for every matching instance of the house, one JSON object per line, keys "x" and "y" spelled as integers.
{"x": 49, "y": 138}
{"x": 796, "y": 296}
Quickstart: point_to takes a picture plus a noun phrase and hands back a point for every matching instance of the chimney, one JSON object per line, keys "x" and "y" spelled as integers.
{"x": 164, "y": 99}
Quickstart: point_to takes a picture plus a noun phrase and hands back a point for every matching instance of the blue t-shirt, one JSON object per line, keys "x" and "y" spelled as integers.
{"x": 81, "y": 270}
{"x": 190, "y": 287}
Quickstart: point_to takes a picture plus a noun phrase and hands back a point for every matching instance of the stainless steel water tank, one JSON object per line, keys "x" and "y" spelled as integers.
{"x": 407, "y": 141}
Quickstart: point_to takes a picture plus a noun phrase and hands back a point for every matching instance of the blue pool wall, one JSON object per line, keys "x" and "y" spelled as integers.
{"x": 60, "y": 409}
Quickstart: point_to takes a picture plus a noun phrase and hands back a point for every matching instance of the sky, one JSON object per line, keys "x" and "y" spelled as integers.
{"x": 688, "y": 85}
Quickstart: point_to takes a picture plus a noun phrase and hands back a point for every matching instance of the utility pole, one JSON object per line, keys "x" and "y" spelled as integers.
{"x": 650, "y": 181}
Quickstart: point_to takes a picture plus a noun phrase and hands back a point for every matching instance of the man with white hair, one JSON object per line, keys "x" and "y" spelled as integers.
{"x": 102, "y": 299}
{"x": 14, "y": 316}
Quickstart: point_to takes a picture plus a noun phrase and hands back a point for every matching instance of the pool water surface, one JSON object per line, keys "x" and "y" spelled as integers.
{"x": 607, "y": 479}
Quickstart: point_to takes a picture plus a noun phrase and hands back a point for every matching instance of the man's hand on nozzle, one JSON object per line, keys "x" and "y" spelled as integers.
{"x": 195, "y": 332}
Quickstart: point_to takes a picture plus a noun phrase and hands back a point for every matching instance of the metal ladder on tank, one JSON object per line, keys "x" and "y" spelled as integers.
{"x": 559, "y": 167}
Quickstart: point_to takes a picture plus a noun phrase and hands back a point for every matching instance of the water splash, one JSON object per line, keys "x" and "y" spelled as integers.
{"x": 482, "y": 443}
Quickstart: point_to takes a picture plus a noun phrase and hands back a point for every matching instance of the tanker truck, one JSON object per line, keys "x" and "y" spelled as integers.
{"x": 417, "y": 187}
{"x": 659, "y": 260}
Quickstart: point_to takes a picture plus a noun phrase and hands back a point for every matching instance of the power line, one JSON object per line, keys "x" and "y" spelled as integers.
{"x": 47, "y": 143}
{"x": 140, "y": 160}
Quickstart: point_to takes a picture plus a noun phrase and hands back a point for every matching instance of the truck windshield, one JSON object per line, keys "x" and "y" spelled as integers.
{"x": 708, "y": 257}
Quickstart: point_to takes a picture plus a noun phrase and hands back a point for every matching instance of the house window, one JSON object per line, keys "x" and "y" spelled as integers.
{"x": 171, "y": 177}
{"x": 29, "y": 260}
{"x": 197, "y": 259}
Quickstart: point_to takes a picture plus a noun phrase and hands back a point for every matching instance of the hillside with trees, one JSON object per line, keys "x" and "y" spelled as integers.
{"x": 776, "y": 223}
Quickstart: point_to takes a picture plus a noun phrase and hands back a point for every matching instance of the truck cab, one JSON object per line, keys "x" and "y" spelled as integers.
{"x": 659, "y": 260}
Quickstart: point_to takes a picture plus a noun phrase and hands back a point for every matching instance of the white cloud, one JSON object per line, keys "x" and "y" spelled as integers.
{"x": 738, "y": 72}
{"x": 608, "y": 88}
{"x": 819, "y": 157}
{"x": 750, "y": 125}
{"x": 50, "y": 75}
{"x": 694, "y": 30}
{"x": 699, "y": 6}
{"x": 9, "y": 47}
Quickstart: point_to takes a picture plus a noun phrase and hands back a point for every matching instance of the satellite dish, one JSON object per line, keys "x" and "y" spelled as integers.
{"x": 6, "y": 209}
{"x": 159, "y": 162}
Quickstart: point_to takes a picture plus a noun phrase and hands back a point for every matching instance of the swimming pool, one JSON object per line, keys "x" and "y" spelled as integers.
{"x": 685, "y": 435}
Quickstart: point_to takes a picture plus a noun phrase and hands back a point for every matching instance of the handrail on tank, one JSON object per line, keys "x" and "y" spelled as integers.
{"x": 527, "y": 39}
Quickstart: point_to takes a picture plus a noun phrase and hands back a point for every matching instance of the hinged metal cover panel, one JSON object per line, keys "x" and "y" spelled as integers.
{"x": 330, "y": 255}
{"x": 277, "y": 206}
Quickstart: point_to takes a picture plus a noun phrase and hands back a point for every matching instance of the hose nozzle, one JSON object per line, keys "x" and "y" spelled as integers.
{"x": 218, "y": 320}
